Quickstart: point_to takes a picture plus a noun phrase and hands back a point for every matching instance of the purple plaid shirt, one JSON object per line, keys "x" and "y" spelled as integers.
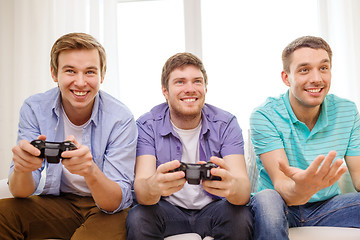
{"x": 220, "y": 135}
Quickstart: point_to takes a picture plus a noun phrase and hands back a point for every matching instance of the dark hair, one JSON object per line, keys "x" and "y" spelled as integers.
{"x": 180, "y": 60}
{"x": 74, "y": 41}
{"x": 303, "y": 42}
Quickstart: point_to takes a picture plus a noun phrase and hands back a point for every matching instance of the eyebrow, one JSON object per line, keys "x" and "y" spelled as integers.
{"x": 90, "y": 67}
{"x": 306, "y": 64}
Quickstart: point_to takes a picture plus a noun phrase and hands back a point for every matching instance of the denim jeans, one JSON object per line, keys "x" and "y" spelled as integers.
{"x": 272, "y": 217}
{"x": 219, "y": 219}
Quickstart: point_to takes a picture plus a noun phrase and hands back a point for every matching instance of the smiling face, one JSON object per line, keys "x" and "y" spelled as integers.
{"x": 186, "y": 96}
{"x": 79, "y": 81}
{"x": 309, "y": 78}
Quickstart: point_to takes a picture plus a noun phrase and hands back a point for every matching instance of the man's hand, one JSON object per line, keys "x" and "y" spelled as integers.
{"x": 234, "y": 184}
{"x": 26, "y": 160}
{"x": 78, "y": 161}
{"x": 321, "y": 173}
{"x": 165, "y": 183}
{"x": 221, "y": 188}
{"x": 25, "y": 156}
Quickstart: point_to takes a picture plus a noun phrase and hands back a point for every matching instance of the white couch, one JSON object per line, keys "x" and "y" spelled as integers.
{"x": 301, "y": 233}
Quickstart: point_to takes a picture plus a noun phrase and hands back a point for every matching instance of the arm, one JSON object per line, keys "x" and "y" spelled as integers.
{"x": 151, "y": 183}
{"x": 234, "y": 184}
{"x": 353, "y": 163}
{"x": 21, "y": 181}
{"x": 106, "y": 193}
{"x": 297, "y": 186}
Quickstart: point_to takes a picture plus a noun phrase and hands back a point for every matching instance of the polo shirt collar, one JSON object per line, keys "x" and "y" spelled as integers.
{"x": 288, "y": 107}
{"x": 320, "y": 123}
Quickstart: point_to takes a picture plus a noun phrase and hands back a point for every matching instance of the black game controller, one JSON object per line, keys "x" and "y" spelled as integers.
{"x": 196, "y": 172}
{"x": 52, "y": 150}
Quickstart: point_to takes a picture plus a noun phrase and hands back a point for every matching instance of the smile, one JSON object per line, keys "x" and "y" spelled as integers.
{"x": 314, "y": 90}
{"x": 189, "y": 100}
{"x": 79, "y": 93}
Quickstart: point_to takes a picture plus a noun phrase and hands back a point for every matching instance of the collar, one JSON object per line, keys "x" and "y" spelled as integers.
{"x": 167, "y": 127}
{"x": 322, "y": 120}
{"x": 57, "y": 105}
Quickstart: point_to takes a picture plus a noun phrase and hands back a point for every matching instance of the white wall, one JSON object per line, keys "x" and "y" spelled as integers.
{"x": 28, "y": 29}
{"x": 7, "y": 119}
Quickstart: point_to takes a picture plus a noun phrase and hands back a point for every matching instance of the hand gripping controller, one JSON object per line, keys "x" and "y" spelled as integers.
{"x": 196, "y": 172}
{"x": 52, "y": 150}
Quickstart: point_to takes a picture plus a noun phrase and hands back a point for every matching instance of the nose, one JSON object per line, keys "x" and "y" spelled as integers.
{"x": 189, "y": 87}
{"x": 80, "y": 80}
{"x": 316, "y": 77}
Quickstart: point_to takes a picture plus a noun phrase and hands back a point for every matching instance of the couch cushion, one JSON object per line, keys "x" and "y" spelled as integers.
{"x": 4, "y": 189}
{"x": 324, "y": 233}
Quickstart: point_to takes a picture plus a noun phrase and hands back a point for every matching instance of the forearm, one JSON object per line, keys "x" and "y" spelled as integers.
{"x": 145, "y": 194}
{"x": 21, "y": 184}
{"x": 240, "y": 195}
{"x": 357, "y": 185}
{"x": 106, "y": 193}
{"x": 293, "y": 195}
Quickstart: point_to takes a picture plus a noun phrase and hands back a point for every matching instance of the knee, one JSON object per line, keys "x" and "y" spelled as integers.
{"x": 234, "y": 213}
{"x": 139, "y": 214}
{"x": 267, "y": 203}
{"x": 237, "y": 220}
{"x": 242, "y": 220}
{"x": 10, "y": 206}
{"x": 239, "y": 213}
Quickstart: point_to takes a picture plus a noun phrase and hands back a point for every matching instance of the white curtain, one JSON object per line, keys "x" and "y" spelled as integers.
{"x": 28, "y": 28}
{"x": 340, "y": 26}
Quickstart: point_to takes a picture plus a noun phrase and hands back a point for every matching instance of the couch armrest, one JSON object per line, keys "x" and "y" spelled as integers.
{"x": 4, "y": 189}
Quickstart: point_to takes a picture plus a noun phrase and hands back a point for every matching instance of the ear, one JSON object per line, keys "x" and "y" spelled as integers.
{"x": 53, "y": 75}
{"x": 102, "y": 80}
{"x": 285, "y": 78}
{"x": 165, "y": 92}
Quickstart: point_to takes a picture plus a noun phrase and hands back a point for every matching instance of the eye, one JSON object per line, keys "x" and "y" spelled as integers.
{"x": 303, "y": 70}
{"x": 70, "y": 71}
{"x": 90, "y": 72}
{"x": 324, "y": 68}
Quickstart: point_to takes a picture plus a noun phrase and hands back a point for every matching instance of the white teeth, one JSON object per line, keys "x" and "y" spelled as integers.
{"x": 79, "y": 93}
{"x": 189, "y": 100}
{"x": 314, "y": 90}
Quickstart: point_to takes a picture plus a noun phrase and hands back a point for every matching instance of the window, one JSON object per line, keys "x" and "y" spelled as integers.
{"x": 241, "y": 46}
{"x": 149, "y": 32}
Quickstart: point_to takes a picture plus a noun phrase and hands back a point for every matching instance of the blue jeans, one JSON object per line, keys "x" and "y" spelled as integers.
{"x": 219, "y": 219}
{"x": 272, "y": 217}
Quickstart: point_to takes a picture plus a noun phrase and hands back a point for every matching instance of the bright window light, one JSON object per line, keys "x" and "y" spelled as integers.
{"x": 242, "y": 46}
{"x": 149, "y": 32}
{"x": 242, "y": 43}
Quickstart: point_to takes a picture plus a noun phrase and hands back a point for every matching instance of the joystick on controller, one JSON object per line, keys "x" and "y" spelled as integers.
{"x": 52, "y": 150}
{"x": 196, "y": 172}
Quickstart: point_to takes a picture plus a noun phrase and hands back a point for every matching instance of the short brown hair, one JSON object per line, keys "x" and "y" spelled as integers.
{"x": 180, "y": 60}
{"x": 303, "y": 42}
{"x": 74, "y": 41}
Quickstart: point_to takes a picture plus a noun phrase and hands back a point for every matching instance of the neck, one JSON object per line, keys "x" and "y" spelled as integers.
{"x": 185, "y": 122}
{"x": 78, "y": 116}
{"x": 309, "y": 116}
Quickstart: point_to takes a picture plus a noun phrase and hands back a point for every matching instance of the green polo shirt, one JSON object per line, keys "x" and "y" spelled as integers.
{"x": 275, "y": 126}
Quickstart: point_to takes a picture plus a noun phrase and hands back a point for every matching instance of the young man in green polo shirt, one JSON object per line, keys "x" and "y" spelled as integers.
{"x": 300, "y": 139}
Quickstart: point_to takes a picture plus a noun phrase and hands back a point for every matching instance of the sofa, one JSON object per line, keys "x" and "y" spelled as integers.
{"x": 299, "y": 233}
